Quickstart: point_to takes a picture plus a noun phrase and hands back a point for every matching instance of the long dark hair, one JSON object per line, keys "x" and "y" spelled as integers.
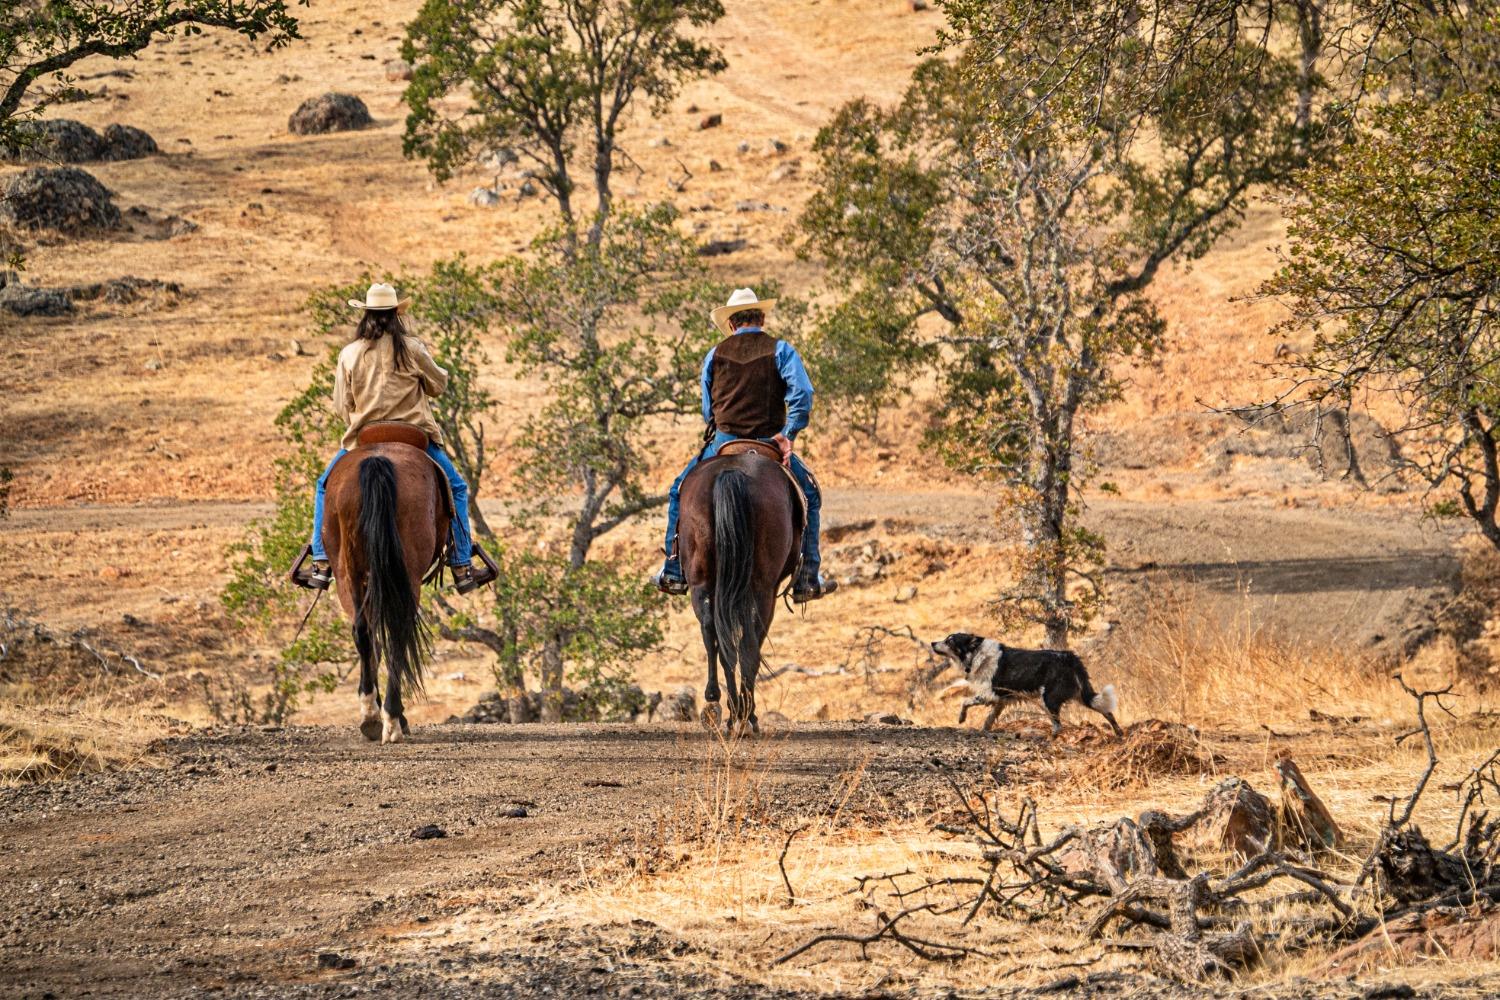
{"x": 377, "y": 323}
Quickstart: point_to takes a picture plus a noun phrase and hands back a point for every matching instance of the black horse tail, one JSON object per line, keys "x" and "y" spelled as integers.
{"x": 734, "y": 610}
{"x": 391, "y": 610}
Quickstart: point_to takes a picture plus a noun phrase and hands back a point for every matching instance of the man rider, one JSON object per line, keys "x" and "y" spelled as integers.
{"x": 754, "y": 386}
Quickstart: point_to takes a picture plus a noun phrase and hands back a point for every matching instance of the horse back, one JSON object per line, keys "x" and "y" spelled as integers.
{"x": 773, "y": 511}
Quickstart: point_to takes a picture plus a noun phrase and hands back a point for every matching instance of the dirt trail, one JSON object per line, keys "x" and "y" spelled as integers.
{"x": 251, "y": 851}
{"x": 1339, "y": 574}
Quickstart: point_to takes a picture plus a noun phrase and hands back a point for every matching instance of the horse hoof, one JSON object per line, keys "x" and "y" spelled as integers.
{"x": 392, "y": 731}
{"x": 371, "y": 729}
{"x": 711, "y": 715}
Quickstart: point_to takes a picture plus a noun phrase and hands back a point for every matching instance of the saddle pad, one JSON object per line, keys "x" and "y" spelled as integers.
{"x": 392, "y": 432}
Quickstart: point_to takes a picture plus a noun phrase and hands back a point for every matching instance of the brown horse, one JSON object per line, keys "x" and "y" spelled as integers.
{"x": 739, "y": 537}
{"x": 386, "y": 526}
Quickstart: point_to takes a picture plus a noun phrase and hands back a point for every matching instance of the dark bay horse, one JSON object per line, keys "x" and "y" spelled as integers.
{"x": 386, "y": 525}
{"x": 739, "y": 538}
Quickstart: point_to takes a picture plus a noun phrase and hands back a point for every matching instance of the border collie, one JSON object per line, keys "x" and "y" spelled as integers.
{"x": 999, "y": 675}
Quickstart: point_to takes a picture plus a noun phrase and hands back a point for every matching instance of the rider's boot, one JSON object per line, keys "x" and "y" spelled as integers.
{"x": 669, "y": 579}
{"x": 466, "y": 578}
{"x": 319, "y": 577}
{"x": 810, "y": 585}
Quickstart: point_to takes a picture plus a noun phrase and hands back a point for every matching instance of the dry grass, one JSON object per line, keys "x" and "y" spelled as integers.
{"x": 41, "y": 742}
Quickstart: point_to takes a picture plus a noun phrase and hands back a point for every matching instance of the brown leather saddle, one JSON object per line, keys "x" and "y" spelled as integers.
{"x": 393, "y": 432}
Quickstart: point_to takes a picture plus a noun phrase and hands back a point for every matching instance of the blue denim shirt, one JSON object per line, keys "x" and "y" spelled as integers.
{"x": 799, "y": 389}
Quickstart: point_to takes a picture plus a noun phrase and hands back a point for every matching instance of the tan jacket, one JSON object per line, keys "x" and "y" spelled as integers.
{"x": 368, "y": 387}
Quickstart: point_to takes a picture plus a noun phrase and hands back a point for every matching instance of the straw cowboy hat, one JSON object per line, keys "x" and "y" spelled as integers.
{"x": 743, "y": 299}
{"x": 381, "y": 296}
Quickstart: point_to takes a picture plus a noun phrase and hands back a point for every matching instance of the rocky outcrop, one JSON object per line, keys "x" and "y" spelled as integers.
{"x": 330, "y": 113}
{"x": 64, "y": 199}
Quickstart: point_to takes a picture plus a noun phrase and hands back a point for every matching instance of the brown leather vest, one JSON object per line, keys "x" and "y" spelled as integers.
{"x": 748, "y": 395}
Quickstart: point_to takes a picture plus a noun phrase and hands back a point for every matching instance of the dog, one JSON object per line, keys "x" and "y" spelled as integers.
{"x": 999, "y": 675}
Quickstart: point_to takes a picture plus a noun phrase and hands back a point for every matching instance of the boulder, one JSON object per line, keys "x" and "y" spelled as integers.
{"x": 125, "y": 142}
{"x": 498, "y": 157}
{"x": 66, "y": 199}
{"x": 56, "y": 140}
{"x": 483, "y": 197}
{"x": 330, "y": 113}
{"x": 23, "y": 300}
{"x": 397, "y": 70}
{"x": 710, "y": 121}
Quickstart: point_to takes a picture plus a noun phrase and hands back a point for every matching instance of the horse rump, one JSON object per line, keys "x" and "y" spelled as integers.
{"x": 736, "y": 616}
{"x": 391, "y": 609}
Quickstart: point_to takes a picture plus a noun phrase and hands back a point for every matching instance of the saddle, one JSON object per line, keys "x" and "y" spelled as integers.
{"x": 392, "y": 432}
{"x": 750, "y": 446}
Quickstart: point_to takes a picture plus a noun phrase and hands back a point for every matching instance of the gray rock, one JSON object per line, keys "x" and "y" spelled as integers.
{"x": 56, "y": 140}
{"x": 66, "y": 199}
{"x": 497, "y": 158}
{"x": 483, "y": 197}
{"x": 330, "y": 113}
{"x": 21, "y": 300}
{"x": 679, "y": 707}
{"x": 125, "y": 142}
{"x": 784, "y": 172}
{"x": 886, "y": 719}
{"x": 526, "y": 190}
{"x": 775, "y": 147}
{"x": 397, "y": 69}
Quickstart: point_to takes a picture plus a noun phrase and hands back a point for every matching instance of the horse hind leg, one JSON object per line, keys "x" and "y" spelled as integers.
{"x": 711, "y": 713}
{"x": 369, "y": 696}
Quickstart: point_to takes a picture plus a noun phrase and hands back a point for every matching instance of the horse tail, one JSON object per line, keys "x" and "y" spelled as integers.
{"x": 734, "y": 609}
{"x": 391, "y": 611}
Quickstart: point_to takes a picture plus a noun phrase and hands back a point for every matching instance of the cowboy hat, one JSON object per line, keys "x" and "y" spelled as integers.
{"x": 742, "y": 300}
{"x": 381, "y": 296}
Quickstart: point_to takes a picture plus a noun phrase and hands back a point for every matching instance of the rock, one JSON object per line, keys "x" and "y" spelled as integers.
{"x": 153, "y": 365}
{"x": 886, "y": 719}
{"x": 714, "y": 166}
{"x": 125, "y": 142}
{"x": 21, "y": 300}
{"x": 718, "y": 248}
{"x": 121, "y": 291}
{"x": 906, "y": 594}
{"x": 839, "y": 532}
{"x": 661, "y": 142}
{"x": 66, "y": 199}
{"x": 428, "y": 832}
{"x": 497, "y": 158}
{"x": 333, "y": 960}
{"x": 514, "y": 812}
{"x": 752, "y": 206}
{"x": 742, "y": 148}
{"x": 710, "y": 121}
{"x": 785, "y": 172}
{"x": 397, "y": 69}
{"x": 56, "y": 140}
{"x": 483, "y": 197}
{"x": 298, "y": 350}
{"x": 330, "y": 113}
{"x": 526, "y": 190}
{"x": 679, "y": 707}
{"x": 916, "y": 6}
{"x": 775, "y": 147}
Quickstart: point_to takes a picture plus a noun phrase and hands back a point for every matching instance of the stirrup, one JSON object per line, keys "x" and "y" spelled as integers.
{"x": 467, "y": 579}
{"x": 319, "y": 577}
{"x": 674, "y": 586}
{"x": 812, "y": 589}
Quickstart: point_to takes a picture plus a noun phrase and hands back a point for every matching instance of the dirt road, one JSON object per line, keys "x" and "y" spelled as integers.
{"x": 1338, "y": 574}
{"x": 250, "y": 852}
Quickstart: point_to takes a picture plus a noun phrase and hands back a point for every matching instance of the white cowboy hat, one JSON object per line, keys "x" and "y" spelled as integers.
{"x": 381, "y": 296}
{"x": 740, "y": 301}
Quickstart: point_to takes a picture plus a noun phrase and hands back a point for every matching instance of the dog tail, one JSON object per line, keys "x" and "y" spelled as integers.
{"x": 1105, "y": 701}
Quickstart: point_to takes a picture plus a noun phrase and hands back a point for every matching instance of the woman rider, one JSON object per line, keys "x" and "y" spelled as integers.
{"x": 387, "y": 374}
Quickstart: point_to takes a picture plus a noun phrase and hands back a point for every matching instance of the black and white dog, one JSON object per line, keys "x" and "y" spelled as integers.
{"x": 999, "y": 675}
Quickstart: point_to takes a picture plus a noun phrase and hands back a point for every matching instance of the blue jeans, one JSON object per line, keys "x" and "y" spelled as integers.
{"x": 811, "y": 558}
{"x": 463, "y": 543}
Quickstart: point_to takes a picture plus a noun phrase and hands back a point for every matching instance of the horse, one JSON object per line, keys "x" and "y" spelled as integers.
{"x": 739, "y": 538}
{"x": 386, "y": 526}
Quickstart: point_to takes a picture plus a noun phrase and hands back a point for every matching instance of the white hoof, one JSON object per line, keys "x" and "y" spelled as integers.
{"x": 392, "y": 729}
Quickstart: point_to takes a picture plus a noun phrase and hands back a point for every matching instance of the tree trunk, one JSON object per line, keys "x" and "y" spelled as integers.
{"x": 552, "y": 680}
{"x": 1045, "y": 516}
